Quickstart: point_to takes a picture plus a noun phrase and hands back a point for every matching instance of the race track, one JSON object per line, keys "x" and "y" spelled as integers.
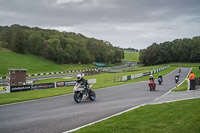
{"x": 59, "y": 114}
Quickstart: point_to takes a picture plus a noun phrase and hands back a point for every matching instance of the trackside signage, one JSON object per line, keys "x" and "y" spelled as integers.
{"x": 4, "y": 89}
{"x": 42, "y": 86}
{"x": 65, "y": 83}
{"x": 20, "y": 88}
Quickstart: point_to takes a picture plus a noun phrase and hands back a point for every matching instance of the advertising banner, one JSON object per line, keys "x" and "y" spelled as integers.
{"x": 4, "y": 89}
{"x": 60, "y": 84}
{"x": 70, "y": 83}
{"x": 43, "y": 86}
{"x": 20, "y": 88}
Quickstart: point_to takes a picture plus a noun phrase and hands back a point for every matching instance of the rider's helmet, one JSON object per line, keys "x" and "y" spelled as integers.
{"x": 79, "y": 77}
{"x": 151, "y": 76}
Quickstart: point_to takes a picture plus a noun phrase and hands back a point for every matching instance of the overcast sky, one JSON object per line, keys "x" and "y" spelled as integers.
{"x": 124, "y": 23}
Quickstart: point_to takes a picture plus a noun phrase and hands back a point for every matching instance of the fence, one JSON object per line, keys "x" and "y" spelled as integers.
{"x": 52, "y": 73}
{"x": 129, "y": 77}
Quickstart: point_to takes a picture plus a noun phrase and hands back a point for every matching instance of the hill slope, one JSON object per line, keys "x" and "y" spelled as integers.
{"x": 33, "y": 63}
{"x": 131, "y": 56}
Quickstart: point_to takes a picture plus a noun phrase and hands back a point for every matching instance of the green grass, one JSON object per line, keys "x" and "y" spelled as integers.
{"x": 182, "y": 87}
{"x": 33, "y": 63}
{"x": 34, "y": 94}
{"x": 176, "y": 117}
{"x": 131, "y": 56}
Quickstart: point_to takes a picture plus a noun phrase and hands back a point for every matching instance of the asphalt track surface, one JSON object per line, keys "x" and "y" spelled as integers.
{"x": 59, "y": 114}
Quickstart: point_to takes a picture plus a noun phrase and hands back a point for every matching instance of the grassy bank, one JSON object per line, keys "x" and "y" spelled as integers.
{"x": 33, "y": 64}
{"x": 131, "y": 56}
{"x": 176, "y": 117}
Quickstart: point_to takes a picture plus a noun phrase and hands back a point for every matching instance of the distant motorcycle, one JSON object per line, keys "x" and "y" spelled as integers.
{"x": 176, "y": 79}
{"x": 152, "y": 85}
{"x": 159, "y": 81}
{"x": 82, "y": 94}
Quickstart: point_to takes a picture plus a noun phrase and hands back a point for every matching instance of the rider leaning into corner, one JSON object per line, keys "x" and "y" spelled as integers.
{"x": 83, "y": 82}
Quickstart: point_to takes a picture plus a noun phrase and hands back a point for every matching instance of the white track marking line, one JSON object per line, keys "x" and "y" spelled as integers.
{"x": 175, "y": 100}
{"x": 75, "y": 129}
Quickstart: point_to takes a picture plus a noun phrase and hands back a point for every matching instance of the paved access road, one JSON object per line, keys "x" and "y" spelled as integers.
{"x": 46, "y": 77}
{"x": 59, "y": 114}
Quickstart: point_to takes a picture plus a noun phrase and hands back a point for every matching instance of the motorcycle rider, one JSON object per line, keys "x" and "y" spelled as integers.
{"x": 177, "y": 76}
{"x": 151, "y": 78}
{"x": 83, "y": 82}
{"x": 160, "y": 76}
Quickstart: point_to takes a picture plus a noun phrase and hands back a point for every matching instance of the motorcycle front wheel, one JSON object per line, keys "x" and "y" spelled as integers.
{"x": 78, "y": 97}
{"x": 92, "y": 96}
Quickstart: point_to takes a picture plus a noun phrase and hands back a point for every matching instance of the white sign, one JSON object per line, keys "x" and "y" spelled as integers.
{"x": 4, "y": 89}
{"x": 93, "y": 81}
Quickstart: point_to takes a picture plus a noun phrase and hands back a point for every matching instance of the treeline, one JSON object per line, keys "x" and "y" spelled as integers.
{"x": 60, "y": 47}
{"x": 179, "y": 50}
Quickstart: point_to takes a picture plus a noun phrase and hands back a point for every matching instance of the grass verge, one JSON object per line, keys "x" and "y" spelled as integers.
{"x": 182, "y": 87}
{"x": 175, "y": 117}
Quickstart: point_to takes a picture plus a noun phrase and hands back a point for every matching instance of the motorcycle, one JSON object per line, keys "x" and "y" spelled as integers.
{"x": 159, "y": 81}
{"x": 176, "y": 79}
{"x": 80, "y": 93}
{"x": 152, "y": 85}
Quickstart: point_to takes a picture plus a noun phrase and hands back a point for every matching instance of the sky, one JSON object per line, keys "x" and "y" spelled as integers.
{"x": 123, "y": 23}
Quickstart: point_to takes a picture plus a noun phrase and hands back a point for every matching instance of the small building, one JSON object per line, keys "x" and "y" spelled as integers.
{"x": 16, "y": 77}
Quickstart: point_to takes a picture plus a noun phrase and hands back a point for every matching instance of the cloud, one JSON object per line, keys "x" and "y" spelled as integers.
{"x": 68, "y": 1}
{"x": 124, "y": 23}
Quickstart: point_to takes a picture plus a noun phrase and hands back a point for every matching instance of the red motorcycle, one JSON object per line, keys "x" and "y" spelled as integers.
{"x": 152, "y": 85}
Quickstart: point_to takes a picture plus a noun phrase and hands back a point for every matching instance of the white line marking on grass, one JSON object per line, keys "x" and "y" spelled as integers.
{"x": 75, "y": 129}
{"x": 175, "y": 100}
